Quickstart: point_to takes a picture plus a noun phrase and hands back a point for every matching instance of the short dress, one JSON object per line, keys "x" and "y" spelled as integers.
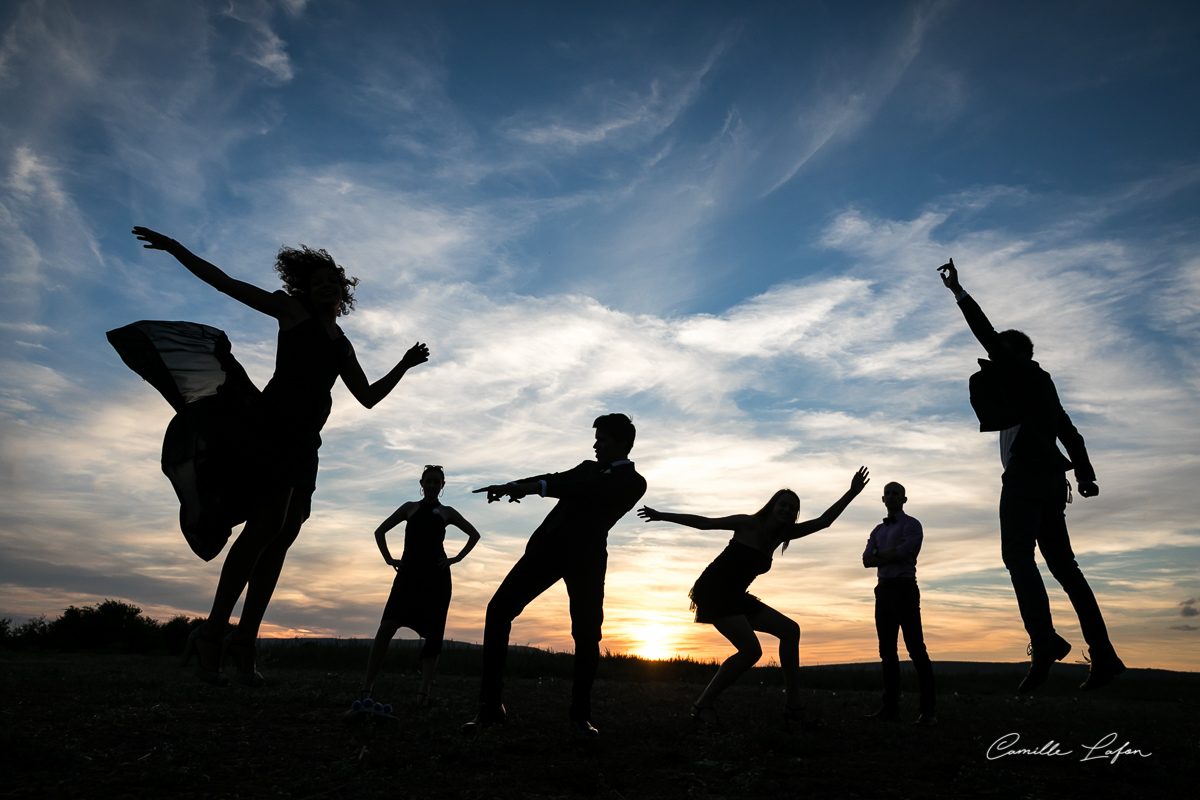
{"x": 420, "y": 597}
{"x": 720, "y": 591}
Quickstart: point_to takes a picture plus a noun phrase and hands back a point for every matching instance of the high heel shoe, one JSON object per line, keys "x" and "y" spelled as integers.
{"x": 242, "y": 656}
{"x": 423, "y": 699}
{"x": 799, "y": 716}
{"x": 705, "y": 716}
{"x": 196, "y": 642}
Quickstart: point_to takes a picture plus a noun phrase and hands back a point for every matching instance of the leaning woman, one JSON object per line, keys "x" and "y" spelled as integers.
{"x": 420, "y": 597}
{"x": 312, "y": 352}
{"x": 720, "y": 599}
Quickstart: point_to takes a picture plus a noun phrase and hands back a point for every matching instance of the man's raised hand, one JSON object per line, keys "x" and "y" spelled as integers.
{"x": 950, "y": 276}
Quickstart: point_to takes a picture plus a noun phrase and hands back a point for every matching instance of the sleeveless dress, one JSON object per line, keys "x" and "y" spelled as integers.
{"x": 720, "y": 591}
{"x": 420, "y": 597}
{"x": 294, "y": 407}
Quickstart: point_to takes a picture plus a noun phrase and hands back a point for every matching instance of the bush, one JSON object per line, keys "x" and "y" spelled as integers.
{"x": 31, "y": 633}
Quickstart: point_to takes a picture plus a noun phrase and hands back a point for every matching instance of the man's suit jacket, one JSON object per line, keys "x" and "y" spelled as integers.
{"x": 591, "y": 498}
{"x": 1030, "y": 399}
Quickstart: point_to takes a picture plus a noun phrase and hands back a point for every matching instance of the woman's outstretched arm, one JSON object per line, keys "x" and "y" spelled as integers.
{"x": 273, "y": 305}
{"x": 857, "y": 483}
{"x": 369, "y": 393}
{"x": 398, "y": 516}
{"x": 730, "y": 523}
{"x": 457, "y": 520}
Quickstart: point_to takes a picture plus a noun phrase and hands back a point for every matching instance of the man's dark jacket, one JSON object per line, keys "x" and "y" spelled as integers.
{"x": 591, "y": 498}
{"x": 1010, "y": 390}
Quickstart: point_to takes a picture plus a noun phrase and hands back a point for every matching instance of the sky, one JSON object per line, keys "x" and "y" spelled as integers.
{"x": 722, "y": 219}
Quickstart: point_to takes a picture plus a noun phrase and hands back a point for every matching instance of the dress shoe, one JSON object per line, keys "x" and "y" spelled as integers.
{"x": 1102, "y": 672}
{"x": 926, "y": 721}
{"x": 1040, "y": 660}
{"x": 884, "y": 715}
{"x": 583, "y": 728}
{"x": 486, "y": 718}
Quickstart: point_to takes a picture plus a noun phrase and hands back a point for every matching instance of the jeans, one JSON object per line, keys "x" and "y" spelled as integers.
{"x": 1033, "y": 511}
{"x": 898, "y": 608}
{"x": 533, "y": 574}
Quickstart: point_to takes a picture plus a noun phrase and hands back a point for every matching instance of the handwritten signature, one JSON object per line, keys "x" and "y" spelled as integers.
{"x": 1006, "y": 745}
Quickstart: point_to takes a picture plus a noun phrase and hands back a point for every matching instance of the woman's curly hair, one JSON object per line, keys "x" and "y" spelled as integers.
{"x": 296, "y": 266}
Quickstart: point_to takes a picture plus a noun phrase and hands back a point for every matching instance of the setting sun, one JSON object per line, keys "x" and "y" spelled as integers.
{"x": 653, "y": 642}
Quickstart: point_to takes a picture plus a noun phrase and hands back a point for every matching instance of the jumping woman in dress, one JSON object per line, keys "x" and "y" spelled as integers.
{"x": 420, "y": 597}
{"x": 312, "y": 352}
{"x": 719, "y": 596}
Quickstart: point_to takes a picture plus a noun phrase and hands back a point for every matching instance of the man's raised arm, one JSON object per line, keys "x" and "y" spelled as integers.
{"x": 976, "y": 319}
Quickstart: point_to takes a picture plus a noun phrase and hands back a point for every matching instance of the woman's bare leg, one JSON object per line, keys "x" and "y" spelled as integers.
{"x": 768, "y": 620}
{"x": 740, "y": 634}
{"x": 265, "y": 576}
{"x": 379, "y": 648}
{"x": 263, "y": 526}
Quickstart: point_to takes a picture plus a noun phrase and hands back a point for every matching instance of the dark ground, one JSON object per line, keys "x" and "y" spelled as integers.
{"x": 111, "y": 725}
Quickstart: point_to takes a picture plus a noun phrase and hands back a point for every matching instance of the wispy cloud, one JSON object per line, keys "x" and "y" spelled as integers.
{"x": 607, "y": 112}
{"x": 264, "y": 47}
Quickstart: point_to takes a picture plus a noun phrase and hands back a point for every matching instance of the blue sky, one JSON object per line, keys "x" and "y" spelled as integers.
{"x": 723, "y": 219}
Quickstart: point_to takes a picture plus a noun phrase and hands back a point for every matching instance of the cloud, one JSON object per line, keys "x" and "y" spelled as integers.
{"x": 843, "y": 109}
{"x": 1188, "y": 609}
{"x": 265, "y": 48}
{"x": 606, "y": 112}
{"x": 45, "y": 240}
{"x": 1184, "y": 628}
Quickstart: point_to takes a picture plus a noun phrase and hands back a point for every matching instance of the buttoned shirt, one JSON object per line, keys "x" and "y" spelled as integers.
{"x": 903, "y": 533}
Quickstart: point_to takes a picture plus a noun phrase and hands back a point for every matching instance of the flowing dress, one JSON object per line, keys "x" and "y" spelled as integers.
{"x": 228, "y": 442}
{"x": 420, "y": 597}
{"x": 720, "y": 591}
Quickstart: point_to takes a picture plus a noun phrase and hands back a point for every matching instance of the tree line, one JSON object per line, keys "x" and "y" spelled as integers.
{"x": 110, "y": 625}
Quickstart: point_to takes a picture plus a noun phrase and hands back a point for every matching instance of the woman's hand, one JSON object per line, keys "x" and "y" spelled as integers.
{"x": 448, "y": 561}
{"x": 649, "y": 514}
{"x": 153, "y": 239}
{"x": 860, "y": 480}
{"x": 417, "y": 354}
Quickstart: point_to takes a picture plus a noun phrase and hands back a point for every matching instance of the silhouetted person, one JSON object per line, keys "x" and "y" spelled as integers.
{"x": 571, "y": 545}
{"x": 892, "y": 548}
{"x": 1012, "y": 394}
{"x": 420, "y": 597}
{"x": 720, "y": 599}
{"x": 287, "y": 420}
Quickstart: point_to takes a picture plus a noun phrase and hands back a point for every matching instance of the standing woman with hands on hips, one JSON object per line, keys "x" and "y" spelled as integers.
{"x": 719, "y": 596}
{"x": 312, "y": 353}
{"x": 420, "y": 597}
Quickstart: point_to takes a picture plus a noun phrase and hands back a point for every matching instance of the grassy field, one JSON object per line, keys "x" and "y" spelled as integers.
{"x": 115, "y": 725}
